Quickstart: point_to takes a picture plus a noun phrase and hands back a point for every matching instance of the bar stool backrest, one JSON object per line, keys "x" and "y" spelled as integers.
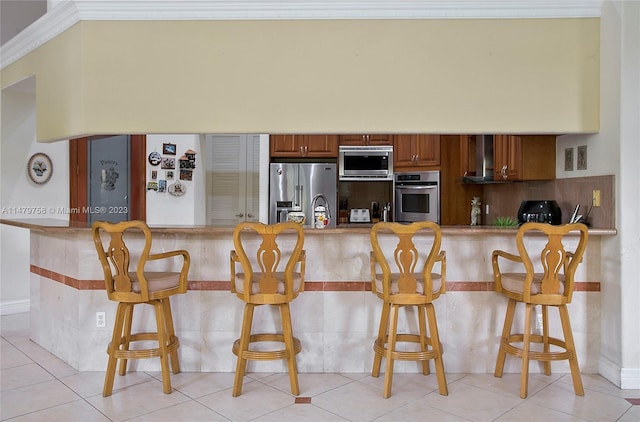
{"x": 416, "y": 243}
{"x": 269, "y": 269}
{"x": 557, "y": 266}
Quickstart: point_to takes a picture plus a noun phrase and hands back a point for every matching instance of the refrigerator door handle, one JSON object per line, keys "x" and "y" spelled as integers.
{"x": 297, "y": 199}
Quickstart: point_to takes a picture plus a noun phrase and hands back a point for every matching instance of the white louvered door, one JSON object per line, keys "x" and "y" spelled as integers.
{"x": 232, "y": 179}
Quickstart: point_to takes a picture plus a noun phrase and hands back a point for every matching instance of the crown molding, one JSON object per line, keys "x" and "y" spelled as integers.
{"x": 69, "y": 12}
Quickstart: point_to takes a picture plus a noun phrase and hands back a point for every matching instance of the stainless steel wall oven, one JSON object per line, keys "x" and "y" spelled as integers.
{"x": 417, "y": 196}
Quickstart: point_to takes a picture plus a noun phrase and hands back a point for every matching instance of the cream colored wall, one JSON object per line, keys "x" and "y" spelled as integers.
{"x": 444, "y": 76}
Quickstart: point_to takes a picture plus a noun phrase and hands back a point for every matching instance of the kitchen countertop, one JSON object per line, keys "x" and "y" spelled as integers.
{"x": 53, "y": 225}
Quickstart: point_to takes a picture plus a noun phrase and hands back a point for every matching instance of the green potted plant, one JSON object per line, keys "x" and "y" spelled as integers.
{"x": 505, "y": 222}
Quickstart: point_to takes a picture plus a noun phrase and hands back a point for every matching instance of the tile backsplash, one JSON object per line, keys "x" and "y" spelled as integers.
{"x": 504, "y": 199}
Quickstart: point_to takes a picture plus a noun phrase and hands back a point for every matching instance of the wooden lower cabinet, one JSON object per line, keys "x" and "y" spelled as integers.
{"x": 303, "y": 146}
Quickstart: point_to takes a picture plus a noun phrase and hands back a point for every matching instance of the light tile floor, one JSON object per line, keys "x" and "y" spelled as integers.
{"x": 37, "y": 386}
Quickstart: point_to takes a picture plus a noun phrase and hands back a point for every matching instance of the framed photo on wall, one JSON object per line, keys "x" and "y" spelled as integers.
{"x": 169, "y": 149}
{"x": 168, "y": 163}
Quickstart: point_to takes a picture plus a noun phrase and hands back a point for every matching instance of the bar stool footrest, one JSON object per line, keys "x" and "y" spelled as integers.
{"x": 172, "y": 346}
{"x": 380, "y": 348}
{"x": 510, "y": 348}
{"x": 267, "y": 354}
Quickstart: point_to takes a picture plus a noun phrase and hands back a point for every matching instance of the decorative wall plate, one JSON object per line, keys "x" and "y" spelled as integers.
{"x": 155, "y": 158}
{"x": 39, "y": 168}
{"x": 177, "y": 189}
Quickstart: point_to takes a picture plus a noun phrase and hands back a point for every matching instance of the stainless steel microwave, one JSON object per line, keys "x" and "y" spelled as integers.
{"x": 362, "y": 163}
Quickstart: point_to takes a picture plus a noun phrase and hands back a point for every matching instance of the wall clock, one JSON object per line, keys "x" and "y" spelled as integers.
{"x": 40, "y": 168}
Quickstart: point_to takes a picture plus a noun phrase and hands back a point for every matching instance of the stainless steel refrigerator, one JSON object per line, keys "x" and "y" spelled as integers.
{"x": 292, "y": 184}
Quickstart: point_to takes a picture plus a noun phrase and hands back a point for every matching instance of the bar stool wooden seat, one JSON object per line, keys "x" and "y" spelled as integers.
{"x": 546, "y": 281}
{"x": 135, "y": 287}
{"x": 394, "y": 279}
{"x": 272, "y": 274}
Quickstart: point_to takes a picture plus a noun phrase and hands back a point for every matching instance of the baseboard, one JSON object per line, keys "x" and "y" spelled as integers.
{"x": 16, "y": 307}
{"x": 630, "y": 378}
{"x": 609, "y": 370}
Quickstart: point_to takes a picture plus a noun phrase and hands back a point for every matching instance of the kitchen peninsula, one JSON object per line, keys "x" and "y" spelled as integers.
{"x": 335, "y": 318}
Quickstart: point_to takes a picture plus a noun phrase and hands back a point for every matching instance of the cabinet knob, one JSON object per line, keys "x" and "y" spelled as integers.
{"x": 503, "y": 171}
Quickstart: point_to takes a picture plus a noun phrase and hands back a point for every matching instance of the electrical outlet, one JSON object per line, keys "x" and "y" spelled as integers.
{"x": 596, "y": 198}
{"x": 101, "y": 320}
{"x": 486, "y": 209}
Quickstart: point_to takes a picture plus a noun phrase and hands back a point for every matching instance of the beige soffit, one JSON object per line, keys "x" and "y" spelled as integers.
{"x": 69, "y": 12}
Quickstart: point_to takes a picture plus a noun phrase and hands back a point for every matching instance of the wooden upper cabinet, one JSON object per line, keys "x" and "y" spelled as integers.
{"x": 416, "y": 152}
{"x": 304, "y": 146}
{"x": 467, "y": 156}
{"x": 365, "y": 140}
{"x": 524, "y": 157}
{"x": 321, "y": 146}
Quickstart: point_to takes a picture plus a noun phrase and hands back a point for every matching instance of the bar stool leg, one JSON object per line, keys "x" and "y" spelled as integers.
{"x": 545, "y": 338}
{"x": 573, "y": 361}
{"x": 422, "y": 313}
{"x": 391, "y": 346}
{"x": 126, "y": 335}
{"x": 382, "y": 334}
{"x": 118, "y": 327}
{"x": 289, "y": 346}
{"x": 162, "y": 345}
{"x": 435, "y": 345}
{"x": 526, "y": 345}
{"x": 506, "y": 332}
{"x": 168, "y": 319}
{"x": 243, "y": 346}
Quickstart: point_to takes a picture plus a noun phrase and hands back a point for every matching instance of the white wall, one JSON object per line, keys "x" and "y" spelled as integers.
{"x": 629, "y": 198}
{"x": 164, "y": 208}
{"x": 615, "y": 150}
{"x": 20, "y": 198}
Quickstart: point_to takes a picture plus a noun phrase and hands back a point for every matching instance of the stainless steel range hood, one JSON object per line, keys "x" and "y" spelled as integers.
{"x": 484, "y": 160}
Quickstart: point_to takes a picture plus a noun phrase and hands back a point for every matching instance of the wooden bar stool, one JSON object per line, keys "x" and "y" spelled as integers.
{"x": 399, "y": 285}
{"x": 130, "y": 288}
{"x": 551, "y": 287}
{"x": 264, "y": 281}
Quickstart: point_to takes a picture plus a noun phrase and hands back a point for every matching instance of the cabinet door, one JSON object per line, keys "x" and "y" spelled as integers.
{"x": 524, "y": 157}
{"x": 366, "y": 140}
{"x": 298, "y": 146}
{"x": 507, "y": 157}
{"x": 285, "y": 145}
{"x": 467, "y": 156}
{"x": 404, "y": 151}
{"x": 352, "y": 140}
{"x": 428, "y": 150}
{"x": 320, "y": 146}
{"x": 413, "y": 152}
{"x": 232, "y": 179}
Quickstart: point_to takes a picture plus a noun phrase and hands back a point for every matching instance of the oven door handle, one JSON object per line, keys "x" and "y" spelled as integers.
{"x": 407, "y": 187}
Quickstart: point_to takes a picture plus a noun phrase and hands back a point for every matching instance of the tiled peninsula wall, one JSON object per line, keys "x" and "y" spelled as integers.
{"x": 504, "y": 199}
{"x": 335, "y": 318}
